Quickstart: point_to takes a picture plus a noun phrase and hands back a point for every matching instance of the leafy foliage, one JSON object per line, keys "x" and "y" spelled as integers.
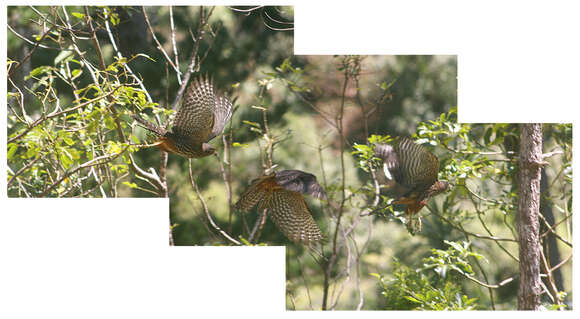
{"x": 423, "y": 289}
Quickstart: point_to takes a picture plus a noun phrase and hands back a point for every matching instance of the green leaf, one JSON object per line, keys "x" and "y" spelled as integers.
{"x": 254, "y": 124}
{"x": 412, "y": 299}
{"x": 78, "y": 15}
{"x": 66, "y": 160}
{"x": 487, "y": 136}
{"x": 236, "y": 144}
{"x": 132, "y": 185}
{"x": 63, "y": 56}
{"x": 115, "y": 19}
{"x": 146, "y": 56}
{"x": 69, "y": 141}
{"x": 76, "y": 73}
{"x": 38, "y": 71}
{"x": 12, "y": 147}
{"x": 455, "y": 245}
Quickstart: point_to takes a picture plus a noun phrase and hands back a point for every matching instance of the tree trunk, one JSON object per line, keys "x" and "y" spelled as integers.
{"x": 530, "y": 162}
{"x": 550, "y": 242}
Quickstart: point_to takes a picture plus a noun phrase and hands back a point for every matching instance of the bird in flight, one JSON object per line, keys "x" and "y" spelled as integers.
{"x": 411, "y": 173}
{"x": 281, "y": 193}
{"x": 201, "y": 117}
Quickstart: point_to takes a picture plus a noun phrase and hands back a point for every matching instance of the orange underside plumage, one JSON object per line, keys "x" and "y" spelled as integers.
{"x": 167, "y": 144}
{"x": 413, "y": 206}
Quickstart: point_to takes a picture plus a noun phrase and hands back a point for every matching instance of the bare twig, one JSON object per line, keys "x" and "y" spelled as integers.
{"x": 95, "y": 161}
{"x": 334, "y": 254}
{"x": 46, "y": 117}
{"x": 24, "y": 168}
{"x": 551, "y": 230}
{"x": 36, "y": 44}
{"x": 193, "y": 65}
{"x": 550, "y": 279}
{"x": 206, "y": 210}
{"x": 174, "y": 45}
{"x": 467, "y": 232}
{"x": 258, "y": 226}
{"x": 159, "y": 46}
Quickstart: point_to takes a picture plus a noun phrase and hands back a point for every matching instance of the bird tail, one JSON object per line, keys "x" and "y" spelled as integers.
{"x": 159, "y": 131}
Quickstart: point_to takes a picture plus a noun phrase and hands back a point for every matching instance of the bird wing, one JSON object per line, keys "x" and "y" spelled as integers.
{"x": 291, "y": 215}
{"x": 222, "y": 114}
{"x": 302, "y": 182}
{"x": 418, "y": 167}
{"x": 257, "y": 192}
{"x": 390, "y": 161}
{"x": 195, "y": 117}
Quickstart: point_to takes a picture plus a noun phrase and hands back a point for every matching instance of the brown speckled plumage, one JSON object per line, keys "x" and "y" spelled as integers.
{"x": 413, "y": 173}
{"x": 201, "y": 117}
{"x": 281, "y": 193}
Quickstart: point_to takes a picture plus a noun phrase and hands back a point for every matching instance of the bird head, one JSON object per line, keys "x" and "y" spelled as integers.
{"x": 207, "y": 149}
{"x": 437, "y": 188}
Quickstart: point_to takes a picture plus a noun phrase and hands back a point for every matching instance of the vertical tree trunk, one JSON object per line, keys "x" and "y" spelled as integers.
{"x": 529, "y": 207}
{"x": 550, "y": 243}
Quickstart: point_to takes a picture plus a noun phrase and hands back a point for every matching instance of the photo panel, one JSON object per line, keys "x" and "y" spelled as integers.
{"x": 357, "y": 164}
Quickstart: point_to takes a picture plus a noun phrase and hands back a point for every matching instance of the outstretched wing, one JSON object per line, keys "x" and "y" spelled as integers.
{"x": 418, "y": 167}
{"x": 256, "y": 192}
{"x": 222, "y": 114}
{"x": 302, "y": 182}
{"x": 195, "y": 117}
{"x": 291, "y": 215}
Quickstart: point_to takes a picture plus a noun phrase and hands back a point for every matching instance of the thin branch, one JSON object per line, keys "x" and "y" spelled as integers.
{"x": 36, "y": 46}
{"x": 301, "y": 269}
{"x": 551, "y": 230}
{"x": 192, "y": 60}
{"x": 467, "y": 232}
{"x": 159, "y": 46}
{"x": 46, "y": 117}
{"x": 334, "y": 253}
{"x": 173, "y": 44}
{"x": 95, "y": 161}
{"x": 258, "y": 226}
{"x": 125, "y": 65}
{"x": 550, "y": 279}
{"x": 206, "y": 210}
{"x": 561, "y": 263}
{"x": 502, "y": 283}
{"x": 24, "y": 168}
{"x": 35, "y": 43}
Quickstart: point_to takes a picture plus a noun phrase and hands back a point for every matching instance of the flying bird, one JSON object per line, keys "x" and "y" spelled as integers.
{"x": 201, "y": 117}
{"x": 411, "y": 171}
{"x": 281, "y": 193}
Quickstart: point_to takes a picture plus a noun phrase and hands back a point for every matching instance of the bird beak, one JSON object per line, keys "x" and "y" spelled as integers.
{"x": 271, "y": 169}
{"x": 208, "y": 148}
